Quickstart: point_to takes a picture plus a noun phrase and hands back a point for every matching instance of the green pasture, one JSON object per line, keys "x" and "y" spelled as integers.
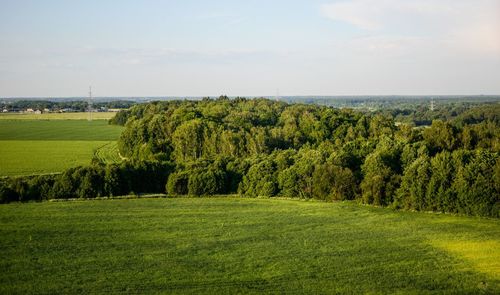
{"x": 57, "y": 116}
{"x": 233, "y": 246}
{"x": 27, "y": 157}
{"x": 108, "y": 153}
{"x": 38, "y": 147}
{"x": 58, "y": 130}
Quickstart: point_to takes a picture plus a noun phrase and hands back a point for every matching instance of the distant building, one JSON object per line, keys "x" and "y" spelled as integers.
{"x": 46, "y": 110}
{"x": 29, "y": 111}
{"x": 5, "y": 111}
{"x": 38, "y": 112}
{"x": 114, "y": 110}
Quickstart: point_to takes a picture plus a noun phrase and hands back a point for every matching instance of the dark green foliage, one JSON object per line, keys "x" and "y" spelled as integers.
{"x": 88, "y": 182}
{"x": 262, "y": 148}
{"x": 7, "y": 194}
{"x": 474, "y": 185}
{"x": 177, "y": 183}
{"x": 332, "y": 182}
{"x": 260, "y": 180}
{"x": 381, "y": 171}
{"x": 120, "y": 118}
{"x": 440, "y": 136}
{"x": 206, "y": 182}
{"x": 463, "y": 182}
{"x": 414, "y": 184}
{"x": 197, "y": 182}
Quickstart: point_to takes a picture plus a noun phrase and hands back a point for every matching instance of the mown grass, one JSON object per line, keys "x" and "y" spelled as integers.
{"x": 26, "y": 157}
{"x": 57, "y": 116}
{"x": 58, "y": 130}
{"x": 229, "y": 246}
{"x": 108, "y": 153}
{"x": 38, "y": 147}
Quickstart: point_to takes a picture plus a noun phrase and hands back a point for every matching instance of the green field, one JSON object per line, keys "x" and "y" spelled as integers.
{"x": 57, "y": 116}
{"x": 27, "y": 157}
{"x": 47, "y": 146}
{"x": 58, "y": 130}
{"x": 230, "y": 246}
{"x": 108, "y": 153}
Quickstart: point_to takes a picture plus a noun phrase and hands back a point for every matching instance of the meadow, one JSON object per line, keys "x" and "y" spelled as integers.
{"x": 30, "y": 157}
{"x": 48, "y": 146}
{"x": 98, "y": 130}
{"x": 57, "y": 116}
{"x": 236, "y": 245}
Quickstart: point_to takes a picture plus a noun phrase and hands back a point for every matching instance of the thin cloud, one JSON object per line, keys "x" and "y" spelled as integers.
{"x": 457, "y": 25}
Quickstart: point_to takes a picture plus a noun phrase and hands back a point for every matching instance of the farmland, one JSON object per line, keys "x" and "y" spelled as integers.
{"x": 57, "y": 116}
{"x": 98, "y": 130}
{"x": 234, "y": 245}
{"x": 26, "y": 157}
{"x": 48, "y": 146}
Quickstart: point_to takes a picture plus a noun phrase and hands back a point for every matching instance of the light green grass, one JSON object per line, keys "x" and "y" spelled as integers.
{"x": 37, "y": 147}
{"x": 109, "y": 153}
{"x": 57, "y": 116}
{"x": 24, "y": 157}
{"x": 231, "y": 246}
{"x": 58, "y": 130}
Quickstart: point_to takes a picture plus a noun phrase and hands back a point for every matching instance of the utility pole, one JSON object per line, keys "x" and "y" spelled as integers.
{"x": 90, "y": 103}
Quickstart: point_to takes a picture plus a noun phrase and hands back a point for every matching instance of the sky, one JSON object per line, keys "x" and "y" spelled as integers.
{"x": 249, "y": 48}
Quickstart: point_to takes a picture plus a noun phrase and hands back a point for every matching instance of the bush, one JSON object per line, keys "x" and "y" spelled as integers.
{"x": 177, "y": 183}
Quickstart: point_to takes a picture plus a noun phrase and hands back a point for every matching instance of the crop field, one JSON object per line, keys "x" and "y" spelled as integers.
{"x": 57, "y": 116}
{"x": 235, "y": 245}
{"x": 47, "y": 146}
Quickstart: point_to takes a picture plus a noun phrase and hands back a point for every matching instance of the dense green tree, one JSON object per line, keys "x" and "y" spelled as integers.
{"x": 414, "y": 183}
{"x": 332, "y": 182}
{"x": 439, "y": 195}
{"x": 260, "y": 180}
{"x": 381, "y": 173}
{"x": 258, "y": 147}
{"x": 440, "y": 136}
{"x": 476, "y": 191}
{"x": 177, "y": 183}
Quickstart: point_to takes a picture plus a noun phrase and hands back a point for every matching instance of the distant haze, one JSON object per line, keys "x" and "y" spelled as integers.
{"x": 249, "y": 48}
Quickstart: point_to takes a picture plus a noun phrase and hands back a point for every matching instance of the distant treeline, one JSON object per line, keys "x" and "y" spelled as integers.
{"x": 393, "y": 102}
{"x": 78, "y": 106}
{"x": 461, "y": 113}
{"x": 260, "y": 147}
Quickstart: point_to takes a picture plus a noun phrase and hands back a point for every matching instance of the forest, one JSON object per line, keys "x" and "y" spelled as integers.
{"x": 265, "y": 148}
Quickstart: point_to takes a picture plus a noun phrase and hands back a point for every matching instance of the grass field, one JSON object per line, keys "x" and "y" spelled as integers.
{"x": 230, "y": 246}
{"x": 38, "y": 147}
{"x": 57, "y": 116}
{"x": 27, "y": 157}
{"x": 108, "y": 153}
{"x": 58, "y": 130}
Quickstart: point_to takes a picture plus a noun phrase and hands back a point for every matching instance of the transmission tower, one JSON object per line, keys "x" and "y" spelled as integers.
{"x": 90, "y": 103}
{"x": 432, "y": 105}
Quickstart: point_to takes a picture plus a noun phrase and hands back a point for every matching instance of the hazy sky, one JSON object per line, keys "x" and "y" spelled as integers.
{"x": 199, "y": 48}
